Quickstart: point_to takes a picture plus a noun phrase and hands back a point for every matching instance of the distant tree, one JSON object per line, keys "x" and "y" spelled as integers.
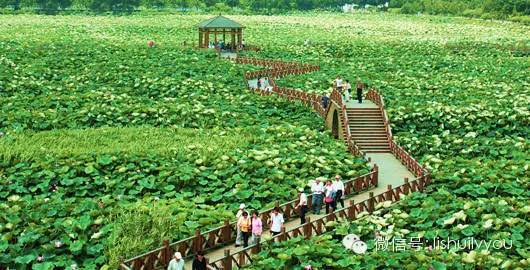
{"x": 115, "y": 6}
{"x": 154, "y": 3}
{"x": 52, "y": 6}
{"x": 15, "y": 4}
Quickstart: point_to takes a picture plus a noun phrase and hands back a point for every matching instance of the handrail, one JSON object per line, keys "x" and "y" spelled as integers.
{"x": 317, "y": 227}
{"x": 221, "y": 236}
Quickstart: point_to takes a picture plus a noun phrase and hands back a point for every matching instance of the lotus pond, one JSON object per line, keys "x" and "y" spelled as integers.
{"x": 107, "y": 138}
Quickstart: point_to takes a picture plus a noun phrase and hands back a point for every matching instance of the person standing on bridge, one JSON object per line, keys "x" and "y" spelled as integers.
{"x": 347, "y": 92}
{"x": 338, "y": 84}
{"x": 360, "y": 87}
{"x": 239, "y": 236}
{"x": 276, "y": 221}
{"x": 330, "y": 197}
{"x": 244, "y": 223}
{"x": 200, "y": 262}
{"x": 318, "y": 189}
{"x": 302, "y": 205}
{"x": 177, "y": 263}
{"x": 257, "y": 227}
{"x": 338, "y": 185}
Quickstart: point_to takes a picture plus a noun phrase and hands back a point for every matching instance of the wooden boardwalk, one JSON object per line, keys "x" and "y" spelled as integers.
{"x": 391, "y": 172}
{"x": 366, "y": 132}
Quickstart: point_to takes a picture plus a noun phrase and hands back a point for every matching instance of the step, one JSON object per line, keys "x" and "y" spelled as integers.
{"x": 372, "y": 126}
{"x": 364, "y": 116}
{"x": 373, "y": 145}
{"x": 360, "y": 121}
{"x": 363, "y": 109}
{"x": 370, "y": 139}
{"x": 364, "y": 113}
{"x": 377, "y": 151}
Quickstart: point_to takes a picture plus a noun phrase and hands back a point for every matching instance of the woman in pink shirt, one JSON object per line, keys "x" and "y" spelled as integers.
{"x": 257, "y": 227}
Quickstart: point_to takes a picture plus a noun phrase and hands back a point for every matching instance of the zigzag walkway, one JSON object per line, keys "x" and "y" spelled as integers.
{"x": 395, "y": 173}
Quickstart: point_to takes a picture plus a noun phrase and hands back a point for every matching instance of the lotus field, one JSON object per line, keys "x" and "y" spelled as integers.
{"x": 111, "y": 147}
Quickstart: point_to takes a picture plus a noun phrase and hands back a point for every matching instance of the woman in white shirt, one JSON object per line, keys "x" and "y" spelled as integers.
{"x": 302, "y": 205}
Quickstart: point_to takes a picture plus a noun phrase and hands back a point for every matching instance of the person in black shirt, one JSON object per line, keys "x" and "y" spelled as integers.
{"x": 200, "y": 262}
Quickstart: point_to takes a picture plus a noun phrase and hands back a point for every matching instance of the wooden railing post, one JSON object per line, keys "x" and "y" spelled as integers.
{"x": 226, "y": 232}
{"x": 241, "y": 258}
{"x": 375, "y": 178}
{"x": 227, "y": 260}
{"x": 389, "y": 196}
{"x": 282, "y": 237}
{"x": 351, "y": 210}
{"x": 371, "y": 202}
{"x": 166, "y": 254}
{"x": 307, "y": 228}
{"x": 197, "y": 241}
{"x": 406, "y": 187}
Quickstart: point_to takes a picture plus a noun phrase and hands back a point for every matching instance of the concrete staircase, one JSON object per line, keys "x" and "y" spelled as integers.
{"x": 367, "y": 129}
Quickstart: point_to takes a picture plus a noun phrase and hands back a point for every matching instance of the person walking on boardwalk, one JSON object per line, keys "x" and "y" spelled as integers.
{"x": 338, "y": 84}
{"x": 338, "y": 185}
{"x": 347, "y": 91}
{"x": 325, "y": 101}
{"x": 302, "y": 204}
{"x": 330, "y": 197}
{"x": 318, "y": 189}
{"x": 239, "y": 236}
{"x": 200, "y": 262}
{"x": 257, "y": 228}
{"x": 244, "y": 223}
{"x": 177, "y": 263}
{"x": 276, "y": 221}
{"x": 360, "y": 87}
{"x": 259, "y": 83}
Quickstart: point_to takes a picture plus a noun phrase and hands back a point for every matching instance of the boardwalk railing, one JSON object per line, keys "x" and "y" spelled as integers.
{"x": 317, "y": 227}
{"x": 226, "y": 234}
{"x": 352, "y": 147}
{"x": 406, "y": 159}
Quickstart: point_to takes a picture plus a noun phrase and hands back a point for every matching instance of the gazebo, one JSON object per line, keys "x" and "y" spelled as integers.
{"x": 220, "y": 26}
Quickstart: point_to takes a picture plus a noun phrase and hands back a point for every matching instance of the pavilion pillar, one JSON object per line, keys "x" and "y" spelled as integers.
{"x": 233, "y": 43}
{"x": 207, "y": 37}
{"x": 201, "y": 33}
{"x": 224, "y": 36}
{"x": 215, "y": 35}
{"x": 239, "y": 37}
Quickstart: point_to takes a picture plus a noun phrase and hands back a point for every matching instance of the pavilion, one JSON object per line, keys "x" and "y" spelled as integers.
{"x": 220, "y": 27}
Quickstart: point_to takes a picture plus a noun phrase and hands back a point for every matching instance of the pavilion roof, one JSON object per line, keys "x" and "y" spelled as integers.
{"x": 220, "y": 22}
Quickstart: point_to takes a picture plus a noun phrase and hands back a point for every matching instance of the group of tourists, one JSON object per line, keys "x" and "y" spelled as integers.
{"x": 249, "y": 227}
{"x": 253, "y": 226}
{"x": 263, "y": 83}
{"x": 225, "y": 46}
{"x": 199, "y": 262}
{"x": 345, "y": 88}
{"x": 330, "y": 194}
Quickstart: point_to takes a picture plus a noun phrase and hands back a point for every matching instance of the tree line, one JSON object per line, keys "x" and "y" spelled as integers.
{"x": 474, "y": 8}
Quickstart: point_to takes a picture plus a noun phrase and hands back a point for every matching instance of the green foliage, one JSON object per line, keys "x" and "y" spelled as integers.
{"x": 474, "y": 8}
{"x": 157, "y": 221}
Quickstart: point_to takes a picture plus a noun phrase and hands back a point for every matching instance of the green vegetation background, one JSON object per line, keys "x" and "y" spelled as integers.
{"x": 517, "y": 10}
